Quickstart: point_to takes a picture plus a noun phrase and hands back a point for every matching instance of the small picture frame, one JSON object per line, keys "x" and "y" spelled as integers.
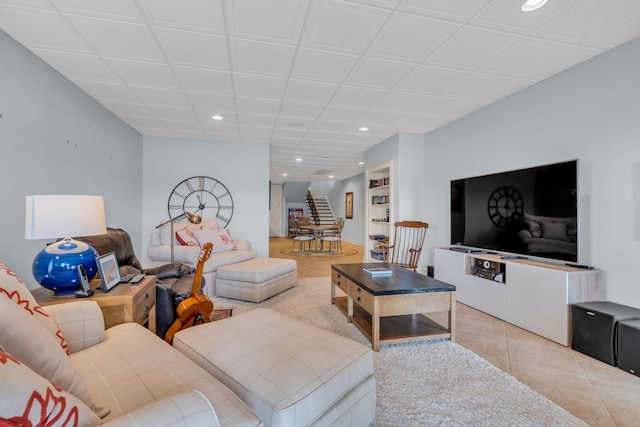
{"x": 109, "y": 271}
{"x": 348, "y": 205}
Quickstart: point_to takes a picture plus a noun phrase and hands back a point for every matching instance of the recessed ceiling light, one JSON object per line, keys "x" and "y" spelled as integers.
{"x": 216, "y": 117}
{"x": 361, "y": 163}
{"x": 298, "y": 159}
{"x": 330, "y": 176}
{"x": 285, "y": 174}
{"x": 531, "y": 5}
{"x": 363, "y": 129}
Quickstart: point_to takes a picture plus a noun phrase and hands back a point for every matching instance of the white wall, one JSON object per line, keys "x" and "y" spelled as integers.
{"x": 242, "y": 167}
{"x": 590, "y": 112}
{"x": 57, "y": 140}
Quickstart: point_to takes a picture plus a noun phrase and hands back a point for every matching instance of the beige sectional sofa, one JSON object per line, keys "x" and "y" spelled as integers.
{"x": 60, "y": 366}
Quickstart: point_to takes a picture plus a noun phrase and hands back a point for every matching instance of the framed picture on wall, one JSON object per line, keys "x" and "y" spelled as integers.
{"x": 348, "y": 205}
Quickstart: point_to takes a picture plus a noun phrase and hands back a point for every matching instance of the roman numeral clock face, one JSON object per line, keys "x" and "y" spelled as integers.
{"x": 505, "y": 207}
{"x": 204, "y": 196}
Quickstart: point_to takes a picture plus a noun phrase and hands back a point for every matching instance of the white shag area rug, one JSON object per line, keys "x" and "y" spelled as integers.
{"x": 437, "y": 383}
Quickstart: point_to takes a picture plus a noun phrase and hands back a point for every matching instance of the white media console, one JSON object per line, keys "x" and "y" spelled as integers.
{"x": 530, "y": 293}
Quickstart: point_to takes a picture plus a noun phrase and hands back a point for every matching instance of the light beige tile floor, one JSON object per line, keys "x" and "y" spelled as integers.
{"x": 599, "y": 394}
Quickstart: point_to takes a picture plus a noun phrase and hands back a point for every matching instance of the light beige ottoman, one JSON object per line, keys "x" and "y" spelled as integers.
{"x": 288, "y": 372}
{"x": 257, "y": 279}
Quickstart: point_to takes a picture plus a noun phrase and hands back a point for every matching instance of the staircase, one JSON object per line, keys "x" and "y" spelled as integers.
{"x": 319, "y": 209}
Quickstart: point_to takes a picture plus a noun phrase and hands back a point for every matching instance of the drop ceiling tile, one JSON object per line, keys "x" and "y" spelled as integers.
{"x": 118, "y": 39}
{"x": 275, "y": 20}
{"x": 81, "y": 66}
{"x": 145, "y": 122}
{"x": 305, "y": 110}
{"x": 328, "y": 128}
{"x": 510, "y": 88}
{"x": 283, "y": 131}
{"x": 446, "y": 106}
{"x": 351, "y": 96}
{"x": 128, "y": 109}
{"x": 47, "y": 30}
{"x": 35, "y": 4}
{"x": 507, "y": 15}
{"x": 620, "y": 35}
{"x": 160, "y": 96}
{"x": 185, "y": 48}
{"x": 211, "y": 102}
{"x": 409, "y": 37}
{"x": 223, "y": 136}
{"x": 220, "y": 128}
{"x": 345, "y": 27}
{"x": 561, "y": 63}
{"x": 256, "y": 120}
{"x": 182, "y": 125}
{"x": 398, "y": 102}
{"x": 187, "y": 133}
{"x": 200, "y": 15}
{"x": 200, "y": 80}
{"x": 387, "y": 4}
{"x": 459, "y": 10}
{"x": 248, "y": 56}
{"x": 375, "y": 118}
{"x": 144, "y": 73}
{"x": 429, "y": 80}
{"x": 340, "y": 113}
{"x": 169, "y": 113}
{"x": 107, "y": 91}
{"x": 378, "y": 73}
{"x": 125, "y": 10}
{"x": 301, "y": 90}
{"x": 471, "y": 46}
{"x": 283, "y": 145}
{"x": 591, "y": 19}
{"x": 258, "y": 86}
{"x": 524, "y": 56}
{"x": 257, "y": 105}
{"x": 322, "y": 65}
{"x": 475, "y": 85}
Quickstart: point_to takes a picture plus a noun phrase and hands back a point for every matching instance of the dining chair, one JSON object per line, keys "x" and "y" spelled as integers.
{"x": 334, "y": 238}
{"x": 407, "y": 243}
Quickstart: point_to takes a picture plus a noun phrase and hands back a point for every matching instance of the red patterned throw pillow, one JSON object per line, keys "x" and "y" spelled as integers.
{"x": 186, "y": 238}
{"x": 27, "y": 399}
{"x": 13, "y": 288}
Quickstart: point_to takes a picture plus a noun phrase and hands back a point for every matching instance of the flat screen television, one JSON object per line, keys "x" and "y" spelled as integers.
{"x": 531, "y": 211}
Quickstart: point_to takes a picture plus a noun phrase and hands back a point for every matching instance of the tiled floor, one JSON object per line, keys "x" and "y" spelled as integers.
{"x": 600, "y": 394}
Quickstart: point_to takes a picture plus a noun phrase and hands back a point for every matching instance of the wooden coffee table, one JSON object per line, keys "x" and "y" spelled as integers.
{"x": 390, "y": 309}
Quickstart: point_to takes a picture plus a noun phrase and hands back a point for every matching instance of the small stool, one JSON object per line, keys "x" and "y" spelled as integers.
{"x": 594, "y": 326}
{"x": 257, "y": 279}
{"x": 288, "y": 372}
{"x": 629, "y": 346}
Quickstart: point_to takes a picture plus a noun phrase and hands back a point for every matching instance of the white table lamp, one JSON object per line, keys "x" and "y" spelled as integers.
{"x": 63, "y": 216}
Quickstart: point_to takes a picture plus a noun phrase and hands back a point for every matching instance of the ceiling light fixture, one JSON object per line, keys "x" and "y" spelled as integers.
{"x": 363, "y": 129}
{"x": 298, "y": 159}
{"x": 285, "y": 174}
{"x": 361, "y": 163}
{"x": 531, "y": 5}
{"x": 330, "y": 176}
{"x": 216, "y": 117}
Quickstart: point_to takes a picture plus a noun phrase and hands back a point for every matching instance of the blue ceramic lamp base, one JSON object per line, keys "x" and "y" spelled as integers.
{"x": 56, "y": 266}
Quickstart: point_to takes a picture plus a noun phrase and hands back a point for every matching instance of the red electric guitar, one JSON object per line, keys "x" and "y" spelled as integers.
{"x": 196, "y": 309}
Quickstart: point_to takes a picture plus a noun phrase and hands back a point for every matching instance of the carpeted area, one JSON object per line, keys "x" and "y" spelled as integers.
{"x": 423, "y": 384}
{"x": 347, "y": 252}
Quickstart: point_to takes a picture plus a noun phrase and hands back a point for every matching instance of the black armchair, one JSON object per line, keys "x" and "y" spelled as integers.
{"x": 174, "y": 282}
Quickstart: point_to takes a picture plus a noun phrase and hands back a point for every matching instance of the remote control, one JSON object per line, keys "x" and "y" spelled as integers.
{"x": 126, "y": 278}
{"x": 137, "y": 278}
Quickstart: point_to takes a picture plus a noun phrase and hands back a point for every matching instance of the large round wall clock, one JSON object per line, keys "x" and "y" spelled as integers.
{"x": 505, "y": 206}
{"x": 204, "y": 196}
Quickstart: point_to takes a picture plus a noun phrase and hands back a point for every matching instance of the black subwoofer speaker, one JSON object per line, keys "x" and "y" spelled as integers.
{"x": 594, "y": 327}
{"x": 629, "y": 346}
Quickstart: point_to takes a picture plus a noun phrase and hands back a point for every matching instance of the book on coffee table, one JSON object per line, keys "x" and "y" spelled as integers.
{"x": 377, "y": 271}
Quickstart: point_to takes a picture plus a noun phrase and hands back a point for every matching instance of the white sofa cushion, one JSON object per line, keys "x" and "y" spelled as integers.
{"x": 132, "y": 367}
{"x": 287, "y": 371}
{"x": 165, "y": 230}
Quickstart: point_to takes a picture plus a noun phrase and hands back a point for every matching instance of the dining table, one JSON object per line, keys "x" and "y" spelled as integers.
{"x": 318, "y": 232}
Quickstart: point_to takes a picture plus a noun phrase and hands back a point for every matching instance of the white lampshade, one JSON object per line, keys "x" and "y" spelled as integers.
{"x": 55, "y": 216}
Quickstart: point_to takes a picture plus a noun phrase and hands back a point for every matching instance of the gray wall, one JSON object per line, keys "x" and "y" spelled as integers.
{"x": 242, "y": 167}
{"x": 591, "y": 113}
{"x": 57, "y": 140}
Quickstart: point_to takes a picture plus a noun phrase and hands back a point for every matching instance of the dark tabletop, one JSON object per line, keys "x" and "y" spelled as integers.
{"x": 401, "y": 281}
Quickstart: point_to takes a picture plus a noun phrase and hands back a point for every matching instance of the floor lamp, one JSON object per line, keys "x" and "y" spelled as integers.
{"x": 193, "y": 219}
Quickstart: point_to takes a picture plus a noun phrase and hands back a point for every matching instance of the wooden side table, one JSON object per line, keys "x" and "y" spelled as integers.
{"x": 125, "y": 303}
